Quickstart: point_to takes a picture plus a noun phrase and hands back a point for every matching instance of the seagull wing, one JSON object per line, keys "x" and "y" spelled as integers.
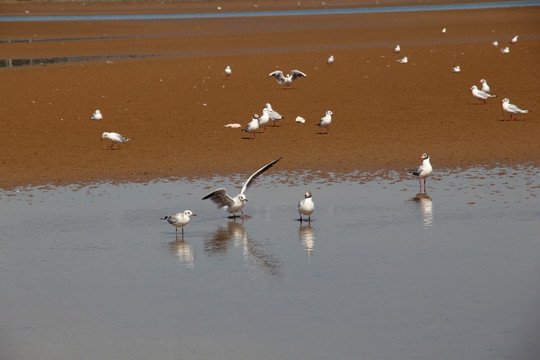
{"x": 256, "y": 174}
{"x": 295, "y": 74}
{"x": 278, "y": 74}
{"x": 220, "y": 198}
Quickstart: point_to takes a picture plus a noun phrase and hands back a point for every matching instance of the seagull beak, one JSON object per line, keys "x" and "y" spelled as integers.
{"x": 193, "y": 214}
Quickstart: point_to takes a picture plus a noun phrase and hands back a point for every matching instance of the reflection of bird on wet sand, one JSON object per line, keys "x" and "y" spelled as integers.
{"x": 426, "y": 205}
{"x": 183, "y": 251}
{"x": 307, "y": 238}
{"x": 218, "y": 242}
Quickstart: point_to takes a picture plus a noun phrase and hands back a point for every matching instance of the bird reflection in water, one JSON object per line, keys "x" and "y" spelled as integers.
{"x": 307, "y": 238}
{"x": 234, "y": 234}
{"x": 426, "y": 205}
{"x": 183, "y": 251}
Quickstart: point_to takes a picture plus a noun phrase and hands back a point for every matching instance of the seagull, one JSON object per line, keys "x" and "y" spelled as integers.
{"x": 306, "y": 206}
{"x": 235, "y": 204}
{"x": 513, "y": 110}
{"x": 495, "y": 43}
{"x": 326, "y": 121}
{"x": 97, "y": 115}
{"x": 264, "y": 119}
{"x": 115, "y": 138}
{"x": 505, "y": 50}
{"x": 274, "y": 115}
{"x": 287, "y": 80}
{"x": 330, "y": 60}
{"x": 422, "y": 171}
{"x": 514, "y": 40}
{"x": 228, "y": 71}
{"x": 179, "y": 220}
{"x": 403, "y": 61}
{"x": 397, "y": 49}
{"x": 456, "y": 69}
{"x": 443, "y": 31}
{"x": 253, "y": 126}
{"x": 485, "y": 86}
{"x": 481, "y": 95}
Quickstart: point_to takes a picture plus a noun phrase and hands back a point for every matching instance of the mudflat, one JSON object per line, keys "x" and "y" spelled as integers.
{"x": 162, "y": 83}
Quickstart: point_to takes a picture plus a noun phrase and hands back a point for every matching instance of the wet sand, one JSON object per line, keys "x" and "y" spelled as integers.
{"x": 175, "y": 102}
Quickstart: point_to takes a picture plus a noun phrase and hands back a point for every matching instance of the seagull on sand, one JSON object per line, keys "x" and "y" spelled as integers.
{"x": 306, "y": 206}
{"x": 403, "y": 61}
{"x": 235, "y": 204}
{"x": 97, "y": 115}
{"x": 253, "y": 126}
{"x": 287, "y": 80}
{"x": 330, "y": 60}
{"x": 179, "y": 220}
{"x": 422, "y": 171}
{"x": 115, "y": 138}
{"x": 505, "y": 50}
{"x": 325, "y": 121}
{"x": 485, "y": 86}
{"x": 228, "y": 71}
{"x": 274, "y": 115}
{"x": 456, "y": 69}
{"x": 443, "y": 31}
{"x": 397, "y": 49}
{"x": 514, "y": 40}
{"x": 495, "y": 43}
{"x": 512, "y": 109}
{"x": 480, "y": 95}
{"x": 264, "y": 119}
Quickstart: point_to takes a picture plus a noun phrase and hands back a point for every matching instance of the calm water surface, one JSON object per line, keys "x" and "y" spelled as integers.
{"x": 381, "y": 273}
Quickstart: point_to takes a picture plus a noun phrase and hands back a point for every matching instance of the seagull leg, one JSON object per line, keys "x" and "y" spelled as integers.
{"x": 309, "y": 218}
{"x": 425, "y": 190}
{"x": 420, "y": 182}
{"x": 299, "y": 213}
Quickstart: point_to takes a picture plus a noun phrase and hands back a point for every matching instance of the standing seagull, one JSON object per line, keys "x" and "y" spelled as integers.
{"x": 115, "y": 138}
{"x": 397, "y": 49}
{"x": 274, "y": 115}
{"x": 404, "y": 60}
{"x": 235, "y": 204}
{"x": 513, "y": 110}
{"x": 179, "y": 220}
{"x": 325, "y": 121}
{"x": 264, "y": 119}
{"x": 287, "y": 80}
{"x": 514, "y": 40}
{"x": 97, "y": 115}
{"x": 480, "y": 95}
{"x": 253, "y": 126}
{"x": 306, "y": 206}
{"x": 485, "y": 86}
{"x": 228, "y": 72}
{"x": 422, "y": 171}
{"x": 330, "y": 60}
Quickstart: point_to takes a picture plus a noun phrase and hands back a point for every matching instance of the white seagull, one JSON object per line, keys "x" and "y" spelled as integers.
{"x": 325, "y": 121}
{"x": 397, "y": 49}
{"x": 287, "y": 80}
{"x": 179, "y": 220}
{"x": 422, "y": 171}
{"x": 512, "y": 109}
{"x": 505, "y": 50}
{"x": 495, "y": 43}
{"x": 403, "y": 61}
{"x": 330, "y": 60}
{"x": 115, "y": 138}
{"x": 514, "y": 40}
{"x": 306, "y": 206}
{"x": 480, "y": 95}
{"x": 235, "y": 204}
{"x": 97, "y": 115}
{"x": 274, "y": 115}
{"x": 228, "y": 71}
{"x": 264, "y": 119}
{"x": 443, "y": 31}
{"x": 253, "y": 126}
{"x": 485, "y": 86}
{"x": 456, "y": 69}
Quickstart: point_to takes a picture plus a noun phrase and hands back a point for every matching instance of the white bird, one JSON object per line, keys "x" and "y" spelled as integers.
{"x": 228, "y": 71}
{"x": 403, "y": 61}
{"x": 287, "y": 80}
{"x": 253, "y": 126}
{"x": 495, "y": 43}
{"x": 505, "y": 50}
{"x": 264, "y": 119}
{"x": 513, "y": 110}
{"x": 514, "y": 40}
{"x": 235, "y": 204}
{"x": 397, "y": 49}
{"x": 97, "y": 115}
{"x": 306, "y": 206}
{"x": 274, "y": 115}
{"x": 330, "y": 60}
{"x": 422, "y": 171}
{"x": 443, "y": 31}
{"x": 179, "y": 220}
{"x": 456, "y": 69}
{"x": 485, "y": 86}
{"x": 115, "y": 138}
{"x": 480, "y": 95}
{"x": 325, "y": 121}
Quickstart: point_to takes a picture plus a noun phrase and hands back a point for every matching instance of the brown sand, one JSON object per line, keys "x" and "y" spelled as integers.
{"x": 175, "y": 106}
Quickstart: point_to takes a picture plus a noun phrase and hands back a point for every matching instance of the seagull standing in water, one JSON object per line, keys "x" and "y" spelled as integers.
{"x": 274, "y": 115}
{"x": 422, "y": 171}
{"x": 115, "y": 138}
{"x": 179, "y": 220}
{"x": 306, "y": 206}
{"x": 253, "y": 126}
{"x": 287, "y": 80}
{"x": 512, "y": 109}
{"x": 236, "y": 204}
{"x": 480, "y": 95}
{"x": 325, "y": 121}
{"x": 97, "y": 115}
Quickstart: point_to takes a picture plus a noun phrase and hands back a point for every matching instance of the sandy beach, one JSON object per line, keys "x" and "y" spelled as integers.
{"x": 166, "y": 90}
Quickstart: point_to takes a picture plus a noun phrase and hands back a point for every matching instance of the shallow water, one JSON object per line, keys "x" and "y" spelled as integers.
{"x": 381, "y": 272}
